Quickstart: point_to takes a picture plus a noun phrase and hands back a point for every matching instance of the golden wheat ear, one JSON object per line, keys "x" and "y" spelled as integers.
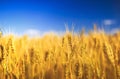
{"x": 1, "y": 53}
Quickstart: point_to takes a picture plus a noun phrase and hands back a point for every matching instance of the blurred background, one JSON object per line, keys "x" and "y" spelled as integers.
{"x": 35, "y": 17}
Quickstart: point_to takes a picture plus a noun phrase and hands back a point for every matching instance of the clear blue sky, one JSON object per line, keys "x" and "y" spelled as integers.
{"x": 47, "y": 15}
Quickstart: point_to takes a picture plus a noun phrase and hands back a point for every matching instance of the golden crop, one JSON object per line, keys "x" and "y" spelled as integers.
{"x": 71, "y": 56}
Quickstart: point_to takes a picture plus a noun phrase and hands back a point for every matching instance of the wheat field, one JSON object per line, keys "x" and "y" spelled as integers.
{"x": 95, "y": 55}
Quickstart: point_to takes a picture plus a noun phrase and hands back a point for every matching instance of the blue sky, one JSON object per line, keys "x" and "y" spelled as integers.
{"x": 21, "y": 16}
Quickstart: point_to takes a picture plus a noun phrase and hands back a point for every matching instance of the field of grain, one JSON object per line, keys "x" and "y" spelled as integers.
{"x": 71, "y": 56}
